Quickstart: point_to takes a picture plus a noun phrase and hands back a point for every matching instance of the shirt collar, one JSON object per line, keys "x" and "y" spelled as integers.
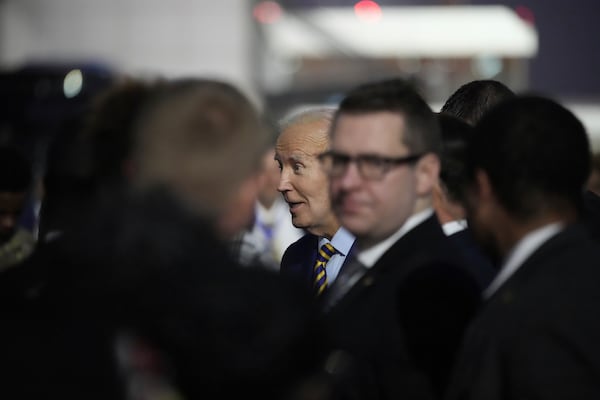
{"x": 370, "y": 256}
{"x": 342, "y": 241}
{"x": 520, "y": 252}
{"x": 454, "y": 226}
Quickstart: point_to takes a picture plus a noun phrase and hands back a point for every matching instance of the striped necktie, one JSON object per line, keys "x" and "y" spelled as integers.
{"x": 320, "y": 275}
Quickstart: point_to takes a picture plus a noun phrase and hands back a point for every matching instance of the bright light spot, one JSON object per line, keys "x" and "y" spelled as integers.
{"x": 368, "y": 11}
{"x": 526, "y": 14}
{"x": 73, "y": 83}
{"x": 267, "y": 12}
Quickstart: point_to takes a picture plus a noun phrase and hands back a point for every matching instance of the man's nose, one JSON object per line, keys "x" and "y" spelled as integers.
{"x": 350, "y": 177}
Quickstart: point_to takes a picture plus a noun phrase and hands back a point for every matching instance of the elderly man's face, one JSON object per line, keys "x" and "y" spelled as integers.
{"x": 303, "y": 182}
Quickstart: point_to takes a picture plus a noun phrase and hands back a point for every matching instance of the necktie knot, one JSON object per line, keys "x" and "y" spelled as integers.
{"x": 320, "y": 274}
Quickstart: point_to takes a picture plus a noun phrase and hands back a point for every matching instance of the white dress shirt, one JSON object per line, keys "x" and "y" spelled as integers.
{"x": 370, "y": 256}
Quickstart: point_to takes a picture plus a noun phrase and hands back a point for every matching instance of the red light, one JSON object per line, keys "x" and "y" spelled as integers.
{"x": 526, "y": 14}
{"x": 368, "y": 11}
{"x": 267, "y": 12}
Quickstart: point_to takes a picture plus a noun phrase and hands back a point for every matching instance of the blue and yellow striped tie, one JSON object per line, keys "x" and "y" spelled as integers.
{"x": 320, "y": 275}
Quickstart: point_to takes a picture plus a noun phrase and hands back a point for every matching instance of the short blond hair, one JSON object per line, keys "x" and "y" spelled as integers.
{"x": 201, "y": 139}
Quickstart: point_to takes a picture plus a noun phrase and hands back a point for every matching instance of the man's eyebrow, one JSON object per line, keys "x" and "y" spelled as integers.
{"x": 298, "y": 156}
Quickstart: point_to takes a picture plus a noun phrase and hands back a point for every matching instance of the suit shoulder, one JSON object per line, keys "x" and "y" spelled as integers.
{"x": 299, "y": 249}
{"x": 301, "y": 245}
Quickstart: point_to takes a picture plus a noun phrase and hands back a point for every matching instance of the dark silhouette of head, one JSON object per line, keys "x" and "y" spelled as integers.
{"x": 455, "y": 136}
{"x": 472, "y": 100}
{"x": 536, "y": 154}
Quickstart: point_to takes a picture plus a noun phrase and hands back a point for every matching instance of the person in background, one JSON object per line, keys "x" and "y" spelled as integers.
{"x": 447, "y": 197}
{"x": 316, "y": 259}
{"x": 473, "y": 99}
{"x": 536, "y": 334}
{"x": 88, "y": 160}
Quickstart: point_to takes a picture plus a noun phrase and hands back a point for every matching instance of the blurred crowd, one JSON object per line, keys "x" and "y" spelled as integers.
{"x": 171, "y": 241}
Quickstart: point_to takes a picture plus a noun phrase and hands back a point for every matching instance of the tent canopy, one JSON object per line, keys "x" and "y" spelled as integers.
{"x": 403, "y": 31}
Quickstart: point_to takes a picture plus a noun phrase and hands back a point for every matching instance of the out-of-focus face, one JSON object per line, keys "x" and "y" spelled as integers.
{"x": 11, "y": 206}
{"x": 373, "y": 209}
{"x": 269, "y": 179}
{"x": 238, "y": 212}
{"x": 303, "y": 182}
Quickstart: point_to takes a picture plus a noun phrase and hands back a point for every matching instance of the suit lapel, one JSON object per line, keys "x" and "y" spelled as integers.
{"x": 401, "y": 258}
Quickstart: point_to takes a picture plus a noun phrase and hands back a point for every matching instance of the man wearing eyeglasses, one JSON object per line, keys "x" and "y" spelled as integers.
{"x": 404, "y": 309}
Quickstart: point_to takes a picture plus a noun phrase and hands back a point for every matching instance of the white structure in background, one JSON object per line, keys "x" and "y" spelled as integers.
{"x": 405, "y": 31}
{"x": 216, "y": 39}
{"x": 589, "y": 114}
{"x": 145, "y": 37}
{"x": 489, "y": 37}
{"x": 489, "y": 40}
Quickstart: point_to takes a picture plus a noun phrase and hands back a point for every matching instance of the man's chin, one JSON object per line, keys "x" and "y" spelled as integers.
{"x": 298, "y": 223}
{"x": 353, "y": 222}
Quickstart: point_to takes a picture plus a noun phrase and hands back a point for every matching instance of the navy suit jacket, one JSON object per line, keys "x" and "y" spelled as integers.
{"x": 477, "y": 263}
{"x": 299, "y": 259}
{"x": 537, "y": 335}
{"x": 403, "y": 321}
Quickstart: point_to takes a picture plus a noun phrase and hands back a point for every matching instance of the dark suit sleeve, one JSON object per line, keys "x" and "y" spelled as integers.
{"x": 297, "y": 261}
{"x": 434, "y": 306}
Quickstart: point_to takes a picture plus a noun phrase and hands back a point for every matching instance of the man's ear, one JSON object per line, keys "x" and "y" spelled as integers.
{"x": 483, "y": 186}
{"x": 438, "y": 195}
{"x": 427, "y": 172}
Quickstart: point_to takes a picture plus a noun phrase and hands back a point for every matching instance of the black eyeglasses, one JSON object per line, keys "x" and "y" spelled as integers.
{"x": 370, "y": 167}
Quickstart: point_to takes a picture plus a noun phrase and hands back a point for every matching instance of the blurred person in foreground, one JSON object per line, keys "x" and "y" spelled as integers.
{"x": 203, "y": 141}
{"x": 145, "y": 299}
{"x": 536, "y": 335}
{"x": 316, "y": 259}
{"x": 400, "y": 307}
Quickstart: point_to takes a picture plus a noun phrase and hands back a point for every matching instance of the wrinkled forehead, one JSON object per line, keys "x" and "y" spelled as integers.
{"x": 308, "y": 138}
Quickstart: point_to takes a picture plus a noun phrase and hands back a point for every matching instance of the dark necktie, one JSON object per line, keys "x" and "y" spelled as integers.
{"x": 352, "y": 271}
{"x": 319, "y": 273}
